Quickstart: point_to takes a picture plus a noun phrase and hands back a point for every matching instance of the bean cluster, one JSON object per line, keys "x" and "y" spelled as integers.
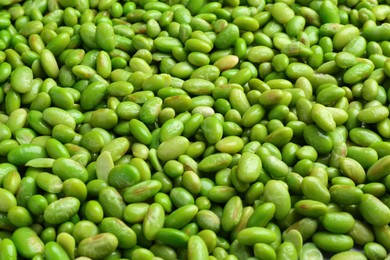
{"x": 194, "y": 129}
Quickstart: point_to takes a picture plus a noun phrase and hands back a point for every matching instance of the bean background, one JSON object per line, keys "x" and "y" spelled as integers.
{"x": 194, "y": 129}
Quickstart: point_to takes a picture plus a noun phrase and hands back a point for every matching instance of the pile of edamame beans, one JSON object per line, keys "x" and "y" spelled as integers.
{"x": 194, "y": 129}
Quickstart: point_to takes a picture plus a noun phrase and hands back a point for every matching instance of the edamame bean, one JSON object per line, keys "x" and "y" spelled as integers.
{"x": 353, "y": 170}
{"x": 264, "y": 251}
{"x": 262, "y": 215}
{"x": 98, "y": 246}
{"x": 253, "y": 235}
{"x": 310, "y": 250}
{"x": 21, "y": 79}
{"x": 66, "y": 168}
{"x": 153, "y": 221}
{"x": 333, "y": 242}
{"x": 376, "y": 171}
{"x": 248, "y": 168}
{"x": 345, "y": 194}
{"x": 27, "y": 242}
{"x": 8, "y": 199}
{"x": 142, "y": 191}
{"x": 8, "y": 249}
{"x": 232, "y": 213}
{"x": 173, "y": 237}
{"x": 24, "y": 153}
{"x": 348, "y": 255}
{"x": 54, "y": 251}
{"x": 111, "y": 201}
{"x": 373, "y": 210}
{"x": 61, "y": 210}
{"x": 372, "y": 250}
{"x": 181, "y": 216}
{"x": 197, "y": 248}
{"x": 311, "y": 208}
{"x": 276, "y": 192}
{"x": 125, "y": 235}
{"x": 338, "y": 222}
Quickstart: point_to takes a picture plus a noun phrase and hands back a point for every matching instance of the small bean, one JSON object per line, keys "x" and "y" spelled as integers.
{"x": 98, "y": 246}
{"x": 333, "y": 242}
